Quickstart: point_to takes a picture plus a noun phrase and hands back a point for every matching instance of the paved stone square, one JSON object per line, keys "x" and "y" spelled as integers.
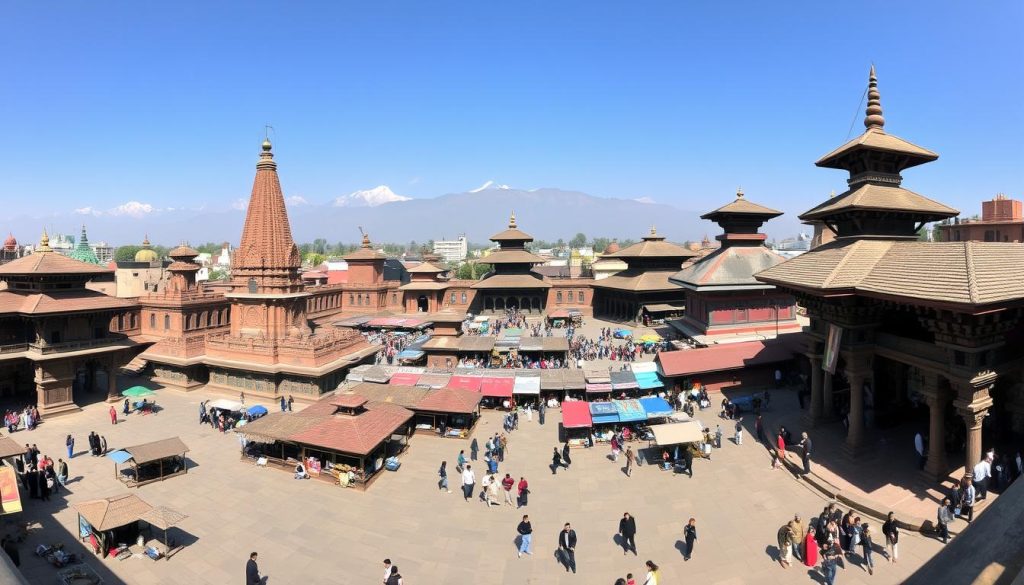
{"x": 312, "y": 532}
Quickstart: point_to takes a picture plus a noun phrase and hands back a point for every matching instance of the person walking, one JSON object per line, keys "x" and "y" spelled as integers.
{"x": 630, "y": 457}
{"x": 785, "y": 542}
{"x": 395, "y": 578}
{"x": 981, "y": 476}
{"x": 460, "y": 461}
{"x": 968, "y": 498}
{"x": 113, "y": 415}
{"x": 125, "y": 408}
{"x": 387, "y": 570}
{"x": 474, "y": 449}
{"x": 70, "y": 444}
{"x": 653, "y": 574}
{"x": 540, "y": 413}
{"x": 566, "y": 459}
{"x": 62, "y": 472}
{"x": 689, "y": 537}
{"x": 892, "y": 537}
{"x": 567, "y": 547}
{"x": 442, "y": 473}
{"x": 523, "y": 489}
{"x": 556, "y": 461}
{"x": 739, "y": 430}
{"x": 525, "y": 530}
{"x": 627, "y": 532}
{"x": 507, "y": 483}
{"x": 284, "y": 406}
{"x": 103, "y": 445}
{"x": 688, "y": 459}
{"x": 290, "y": 402}
{"x": 252, "y": 571}
{"x": 945, "y": 518}
{"x": 866, "y": 544}
{"x": 718, "y": 436}
{"x": 468, "y": 481}
{"x": 805, "y": 443}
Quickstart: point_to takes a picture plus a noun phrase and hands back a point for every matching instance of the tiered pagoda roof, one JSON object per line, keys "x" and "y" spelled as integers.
{"x": 742, "y": 254}
{"x": 876, "y": 252}
{"x": 83, "y": 252}
{"x": 512, "y": 262}
{"x": 649, "y": 263}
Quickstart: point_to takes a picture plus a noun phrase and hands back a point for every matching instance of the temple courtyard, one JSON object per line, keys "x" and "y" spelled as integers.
{"x": 313, "y": 532}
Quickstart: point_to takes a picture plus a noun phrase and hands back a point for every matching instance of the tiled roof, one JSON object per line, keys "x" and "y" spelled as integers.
{"x": 365, "y": 254}
{"x": 407, "y": 396}
{"x": 426, "y": 267}
{"x": 447, "y": 399}
{"x": 729, "y": 356}
{"x": 357, "y": 434}
{"x": 72, "y": 301}
{"x": 157, "y": 450}
{"x": 744, "y": 206}
{"x": 648, "y": 280}
{"x": 511, "y": 281}
{"x": 734, "y": 266}
{"x": 880, "y": 197}
{"x": 511, "y": 257}
{"x": 965, "y": 273}
{"x": 512, "y": 234}
{"x": 113, "y": 512}
{"x": 424, "y": 285}
{"x": 49, "y": 263}
{"x": 653, "y": 249}
{"x": 877, "y": 139}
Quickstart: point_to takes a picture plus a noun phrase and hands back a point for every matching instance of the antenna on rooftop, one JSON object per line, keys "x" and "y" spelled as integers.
{"x": 266, "y": 131}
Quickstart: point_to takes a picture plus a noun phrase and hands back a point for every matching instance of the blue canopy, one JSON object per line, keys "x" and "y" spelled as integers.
{"x": 629, "y": 410}
{"x": 656, "y": 406}
{"x": 622, "y": 333}
{"x": 257, "y": 410}
{"x": 648, "y": 380}
{"x": 603, "y": 412}
{"x": 119, "y": 456}
{"x": 410, "y": 354}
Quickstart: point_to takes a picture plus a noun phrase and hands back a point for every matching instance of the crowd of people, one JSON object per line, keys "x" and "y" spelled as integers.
{"x": 393, "y": 343}
{"x": 27, "y": 418}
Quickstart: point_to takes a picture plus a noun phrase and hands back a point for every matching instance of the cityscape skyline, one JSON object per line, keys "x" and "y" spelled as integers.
{"x": 118, "y": 122}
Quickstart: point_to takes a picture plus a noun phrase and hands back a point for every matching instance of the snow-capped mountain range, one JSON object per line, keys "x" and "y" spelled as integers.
{"x": 379, "y": 195}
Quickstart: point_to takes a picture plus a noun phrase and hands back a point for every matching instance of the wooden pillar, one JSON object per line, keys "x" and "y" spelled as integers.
{"x": 813, "y": 416}
{"x": 936, "y": 466}
{"x": 112, "y": 395}
{"x": 855, "y": 434}
{"x": 827, "y": 399}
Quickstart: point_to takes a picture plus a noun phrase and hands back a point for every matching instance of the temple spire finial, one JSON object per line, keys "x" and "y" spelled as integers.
{"x": 654, "y": 230}
{"x": 366, "y": 238}
{"x": 44, "y": 243}
{"x": 739, "y": 192}
{"x": 512, "y": 221}
{"x": 874, "y": 119}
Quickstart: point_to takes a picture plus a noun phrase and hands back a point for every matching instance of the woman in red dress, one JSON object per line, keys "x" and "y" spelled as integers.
{"x": 781, "y": 443}
{"x": 810, "y": 549}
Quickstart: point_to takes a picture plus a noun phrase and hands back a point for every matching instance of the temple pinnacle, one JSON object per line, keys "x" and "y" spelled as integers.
{"x": 512, "y": 221}
{"x": 874, "y": 119}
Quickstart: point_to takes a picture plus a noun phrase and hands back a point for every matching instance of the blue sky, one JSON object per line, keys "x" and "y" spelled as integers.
{"x": 164, "y": 104}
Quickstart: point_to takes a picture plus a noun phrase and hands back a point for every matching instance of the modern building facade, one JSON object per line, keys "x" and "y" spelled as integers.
{"x": 452, "y": 251}
{"x": 1002, "y": 220}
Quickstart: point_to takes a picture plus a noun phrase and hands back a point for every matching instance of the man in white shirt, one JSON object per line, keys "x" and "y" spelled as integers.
{"x": 468, "y": 481}
{"x": 387, "y": 570}
{"x": 982, "y": 473}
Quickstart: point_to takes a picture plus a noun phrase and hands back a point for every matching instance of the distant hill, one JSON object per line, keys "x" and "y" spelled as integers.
{"x": 546, "y": 214}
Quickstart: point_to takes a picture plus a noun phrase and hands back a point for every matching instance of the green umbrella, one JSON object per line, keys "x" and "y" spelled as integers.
{"x": 138, "y": 392}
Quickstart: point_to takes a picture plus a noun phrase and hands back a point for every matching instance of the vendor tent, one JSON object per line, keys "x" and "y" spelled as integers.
{"x": 576, "y": 415}
{"x": 497, "y": 387}
{"x": 526, "y": 385}
{"x": 404, "y": 379}
{"x": 163, "y": 518}
{"x": 137, "y": 392}
{"x": 629, "y": 410}
{"x": 110, "y": 513}
{"x": 648, "y": 380}
{"x": 598, "y": 388}
{"x": 603, "y": 412}
{"x": 656, "y": 407}
{"x": 574, "y": 379}
{"x": 10, "y": 448}
{"x": 257, "y": 410}
{"x": 225, "y": 404}
{"x": 150, "y": 462}
{"x": 675, "y": 433}
{"x": 623, "y": 380}
{"x": 466, "y": 382}
{"x": 552, "y": 379}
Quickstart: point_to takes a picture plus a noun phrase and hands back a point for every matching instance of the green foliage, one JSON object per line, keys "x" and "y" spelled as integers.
{"x": 579, "y": 240}
{"x": 320, "y": 246}
{"x": 314, "y": 259}
{"x": 210, "y": 248}
{"x": 600, "y": 244}
{"x": 218, "y": 274}
{"x": 472, "y": 270}
{"x": 126, "y": 253}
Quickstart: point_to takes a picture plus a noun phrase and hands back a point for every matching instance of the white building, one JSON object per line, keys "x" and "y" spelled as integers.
{"x": 104, "y": 252}
{"x": 224, "y": 258}
{"x": 452, "y": 251}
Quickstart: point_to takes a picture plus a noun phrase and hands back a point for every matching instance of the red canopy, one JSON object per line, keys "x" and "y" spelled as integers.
{"x": 404, "y": 379}
{"x": 576, "y": 415}
{"x": 465, "y": 382}
{"x": 497, "y": 387}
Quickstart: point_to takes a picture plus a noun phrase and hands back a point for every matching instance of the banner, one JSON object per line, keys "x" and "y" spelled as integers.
{"x": 10, "y": 499}
{"x": 835, "y": 335}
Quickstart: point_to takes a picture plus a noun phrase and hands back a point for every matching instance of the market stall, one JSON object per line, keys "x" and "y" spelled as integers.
{"x": 623, "y": 382}
{"x": 656, "y": 407}
{"x": 497, "y": 391}
{"x": 434, "y": 380}
{"x": 110, "y": 525}
{"x": 672, "y": 437}
{"x": 576, "y": 423}
{"x": 405, "y": 379}
{"x": 526, "y": 387}
{"x": 451, "y": 412}
{"x": 466, "y": 382}
{"x": 136, "y": 466}
{"x": 646, "y": 374}
{"x": 605, "y": 414}
{"x": 164, "y": 519}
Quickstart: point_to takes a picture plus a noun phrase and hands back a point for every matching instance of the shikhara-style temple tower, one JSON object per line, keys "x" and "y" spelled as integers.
{"x": 896, "y": 322}
{"x": 268, "y": 300}
{"x": 724, "y": 302}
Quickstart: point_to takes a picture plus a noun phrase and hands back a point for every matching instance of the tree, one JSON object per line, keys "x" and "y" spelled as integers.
{"x": 578, "y": 241}
{"x": 472, "y": 270}
{"x": 320, "y": 246}
{"x": 218, "y": 274}
{"x": 314, "y": 259}
{"x": 126, "y": 253}
{"x": 600, "y": 244}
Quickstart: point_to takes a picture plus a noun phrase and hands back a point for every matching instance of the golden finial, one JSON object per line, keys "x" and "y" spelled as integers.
{"x": 832, "y": 194}
{"x": 44, "y": 243}
{"x": 512, "y": 221}
{"x": 654, "y": 231}
{"x": 145, "y": 241}
{"x": 366, "y": 237}
{"x": 739, "y": 192}
{"x": 874, "y": 119}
